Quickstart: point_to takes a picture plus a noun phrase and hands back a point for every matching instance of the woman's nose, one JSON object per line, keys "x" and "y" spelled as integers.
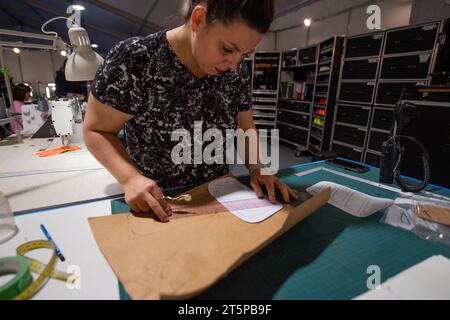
{"x": 233, "y": 60}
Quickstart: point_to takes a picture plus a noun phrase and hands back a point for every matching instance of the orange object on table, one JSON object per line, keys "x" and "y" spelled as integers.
{"x": 56, "y": 151}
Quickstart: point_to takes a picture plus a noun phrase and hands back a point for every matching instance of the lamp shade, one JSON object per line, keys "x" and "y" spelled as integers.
{"x": 83, "y": 62}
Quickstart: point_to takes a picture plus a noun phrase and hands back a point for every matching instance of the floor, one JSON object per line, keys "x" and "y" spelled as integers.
{"x": 287, "y": 159}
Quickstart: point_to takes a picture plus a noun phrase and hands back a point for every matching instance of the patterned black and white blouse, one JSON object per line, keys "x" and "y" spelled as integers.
{"x": 143, "y": 77}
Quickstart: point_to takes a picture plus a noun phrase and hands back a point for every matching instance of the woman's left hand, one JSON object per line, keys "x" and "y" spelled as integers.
{"x": 270, "y": 182}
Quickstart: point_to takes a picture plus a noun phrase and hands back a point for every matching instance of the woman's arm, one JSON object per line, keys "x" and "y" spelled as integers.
{"x": 246, "y": 122}
{"x": 257, "y": 180}
{"x": 101, "y": 126}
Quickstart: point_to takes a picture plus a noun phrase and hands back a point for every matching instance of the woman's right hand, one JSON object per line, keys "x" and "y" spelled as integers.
{"x": 143, "y": 195}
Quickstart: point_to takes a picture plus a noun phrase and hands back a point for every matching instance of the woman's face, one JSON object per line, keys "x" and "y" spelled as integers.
{"x": 218, "y": 47}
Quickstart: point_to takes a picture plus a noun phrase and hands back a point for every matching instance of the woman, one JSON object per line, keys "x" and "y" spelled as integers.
{"x": 167, "y": 81}
{"x": 21, "y": 94}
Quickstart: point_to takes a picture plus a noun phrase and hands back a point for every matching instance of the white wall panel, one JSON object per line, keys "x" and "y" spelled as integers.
{"x": 293, "y": 38}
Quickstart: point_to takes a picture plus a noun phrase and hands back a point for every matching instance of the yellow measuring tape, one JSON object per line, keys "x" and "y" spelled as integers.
{"x": 45, "y": 271}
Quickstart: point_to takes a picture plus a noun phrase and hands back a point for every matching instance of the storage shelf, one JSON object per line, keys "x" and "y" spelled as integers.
{"x": 293, "y": 111}
{"x": 317, "y": 127}
{"x": 295, "y": 100}
{"x": 266, "y": 123}
{"x": 264, "y": 108}
{"x": 316, "y": 148}
{"x": 292, "y": 125}
{"x": 316, "y": 136}
{"x": 326, "y": 50}
{"x": 298, "y": 66}
{"x": 293, "y": 143}
{"x": 324, "y": 62}
{"x": 317, "y": 93}
{"x": 259, "y": 115}
{"x": 263, "y": 91}
{"x": 323, "y": 73}
{"x": 348, "y": 145}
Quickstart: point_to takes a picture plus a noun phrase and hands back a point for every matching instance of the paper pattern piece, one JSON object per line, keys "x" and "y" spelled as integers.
{"x": 182, "y": 258}
{"x": 351, "y": 201}
{"x": 242, "y": 201}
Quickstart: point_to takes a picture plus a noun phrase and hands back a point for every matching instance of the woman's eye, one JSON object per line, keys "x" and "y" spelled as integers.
{"x": 227, "y": 50}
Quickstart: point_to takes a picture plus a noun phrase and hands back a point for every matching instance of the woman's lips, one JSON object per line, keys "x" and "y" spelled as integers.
{"x": 219, "y": 71}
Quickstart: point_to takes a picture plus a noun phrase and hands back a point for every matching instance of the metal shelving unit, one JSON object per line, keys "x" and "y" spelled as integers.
{"x": 323, "y": 104}
{"x": 358, "y": 76}
{"x": 376, "y": 69}
{"x": 265, "y": 81}
{"x": 409, "y": 55}
{"x": 296, "y": 93}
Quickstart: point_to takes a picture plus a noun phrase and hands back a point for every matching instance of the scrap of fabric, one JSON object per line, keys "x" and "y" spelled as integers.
{"x": 56, "y": 151}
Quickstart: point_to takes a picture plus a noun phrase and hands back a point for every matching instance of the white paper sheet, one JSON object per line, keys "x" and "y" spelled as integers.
{"x": 228, "y": 191}
{"x": 427, "y": 280}
{"x": 351, "y": 201}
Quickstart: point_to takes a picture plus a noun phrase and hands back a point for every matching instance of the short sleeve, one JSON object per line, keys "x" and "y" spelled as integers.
{"x": 243, "y": 88}
{"x": 118, "y": 82}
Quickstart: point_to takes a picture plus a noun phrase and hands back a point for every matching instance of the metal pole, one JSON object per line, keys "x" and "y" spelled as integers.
{"x": 6, "y": 77}
{"x": 10, "y": 95}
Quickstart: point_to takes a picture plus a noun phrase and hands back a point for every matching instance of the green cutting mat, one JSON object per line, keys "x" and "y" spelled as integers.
{"x": 327, "y": 255}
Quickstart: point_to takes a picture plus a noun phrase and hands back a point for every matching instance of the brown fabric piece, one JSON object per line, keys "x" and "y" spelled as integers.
{"x": 433, "y": 213}
{"x": 182, "y": 258}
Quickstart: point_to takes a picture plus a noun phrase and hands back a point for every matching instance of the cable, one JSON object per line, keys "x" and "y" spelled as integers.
{"x": 51, "y": 20}
{"x": 397, "y": 151}
{"x": 425, "y": 164}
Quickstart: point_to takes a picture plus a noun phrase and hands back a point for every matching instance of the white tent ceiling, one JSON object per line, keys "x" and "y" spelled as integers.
{"x": 107, "y": 21}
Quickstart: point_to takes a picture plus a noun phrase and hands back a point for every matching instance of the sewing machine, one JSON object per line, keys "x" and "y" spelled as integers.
{"x": 67, "y": 120}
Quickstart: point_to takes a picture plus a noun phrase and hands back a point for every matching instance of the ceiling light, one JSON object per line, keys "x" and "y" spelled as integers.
{"x": 63, "y": 53}
{"x": 16, "y": 50}
{"x": 307, "y": 22}
{"x": 78, "y": 7}
{"x": 94, "y": 45}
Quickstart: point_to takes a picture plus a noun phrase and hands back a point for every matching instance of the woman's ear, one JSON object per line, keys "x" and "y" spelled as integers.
{"x": 198, "y": 18}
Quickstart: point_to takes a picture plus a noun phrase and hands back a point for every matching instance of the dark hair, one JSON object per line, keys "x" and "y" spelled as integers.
{"x": 20, "y": 91}
{"x": 257, "y": 14}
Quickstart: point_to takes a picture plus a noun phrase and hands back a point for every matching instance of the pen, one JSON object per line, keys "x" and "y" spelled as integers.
{"x": 47, "y": 235}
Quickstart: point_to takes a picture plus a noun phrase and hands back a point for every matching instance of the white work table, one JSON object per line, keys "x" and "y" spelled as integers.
{"x": 76, "y": 186}
{"x": 30, "y": 182}
{"x": 70, "y": 229}
{"x": 61, "y": 192}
